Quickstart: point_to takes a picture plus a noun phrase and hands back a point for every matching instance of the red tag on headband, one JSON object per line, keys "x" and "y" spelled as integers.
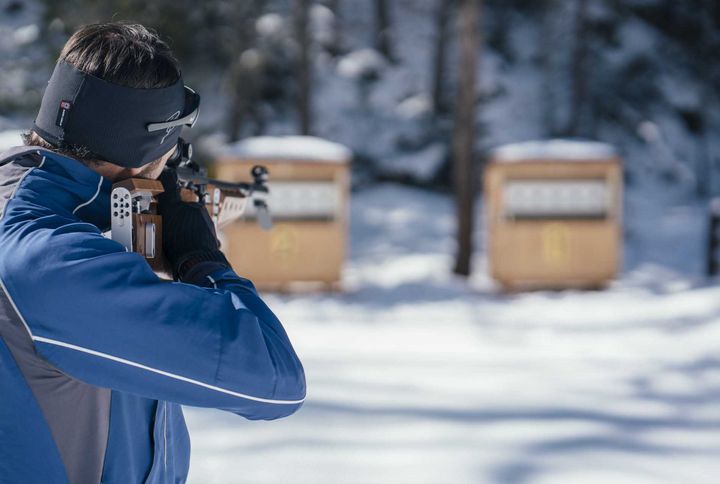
{"x": 62, "y": 113}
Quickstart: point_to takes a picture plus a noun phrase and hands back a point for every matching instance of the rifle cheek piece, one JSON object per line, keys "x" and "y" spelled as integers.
{"x": 126, "y": 126}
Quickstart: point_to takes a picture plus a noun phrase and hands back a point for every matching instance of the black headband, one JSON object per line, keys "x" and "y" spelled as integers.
{"x": 123, "y": 125}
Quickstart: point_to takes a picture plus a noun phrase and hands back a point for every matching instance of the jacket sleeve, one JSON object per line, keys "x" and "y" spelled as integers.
{"x": 99, "y": 314}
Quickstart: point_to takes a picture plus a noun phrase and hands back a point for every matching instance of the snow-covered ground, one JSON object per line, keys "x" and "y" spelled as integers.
{"x": 417, "y": 377}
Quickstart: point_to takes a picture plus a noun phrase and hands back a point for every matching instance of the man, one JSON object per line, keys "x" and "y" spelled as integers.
{"x": 97, "y": 352}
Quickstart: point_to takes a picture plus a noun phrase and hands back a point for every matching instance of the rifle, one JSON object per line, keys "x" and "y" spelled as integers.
{"x": 137, "y": 225}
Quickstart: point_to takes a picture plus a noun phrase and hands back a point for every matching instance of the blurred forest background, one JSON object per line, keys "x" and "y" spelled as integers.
{"x": 415, "y": 376}
{"x": 381, "y": 75}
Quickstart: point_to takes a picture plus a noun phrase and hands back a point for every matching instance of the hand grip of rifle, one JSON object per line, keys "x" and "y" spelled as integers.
{"x": 134, "y": 218}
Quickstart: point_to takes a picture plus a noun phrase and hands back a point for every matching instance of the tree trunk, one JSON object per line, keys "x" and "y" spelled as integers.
{"x": 382, "y": 29}
{"x": 468, "y": 25}
{"x": 703, "y": 156}
{"x": 548, "y": 68}
{"x": 335, "y": 8}
{"x": 577, "y": 123}
{"x": 235, "y": 118}
{"x": 442, "y": 16}
{"x": 304, "y": 64}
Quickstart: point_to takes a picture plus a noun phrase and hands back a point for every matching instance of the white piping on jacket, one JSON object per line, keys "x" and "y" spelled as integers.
{"x": 212, "y": 281}
{"x": 97, "y": 192}
{"x": 115, "y": 358}
{"x": 164, "y": 373}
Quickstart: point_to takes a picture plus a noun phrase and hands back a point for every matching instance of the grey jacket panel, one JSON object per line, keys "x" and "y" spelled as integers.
{"x": 14, "y": 164}
{"x": 78, "y": 414}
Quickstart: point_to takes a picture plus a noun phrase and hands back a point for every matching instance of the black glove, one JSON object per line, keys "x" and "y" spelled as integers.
{"x": 188, "y": 232}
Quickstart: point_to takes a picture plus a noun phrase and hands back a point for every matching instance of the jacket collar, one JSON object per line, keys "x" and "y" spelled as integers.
{"x": 90, "y": 192}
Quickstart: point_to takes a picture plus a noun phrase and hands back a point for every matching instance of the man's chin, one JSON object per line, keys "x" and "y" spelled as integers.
{"x": 126, "y": 174}
{"x": 150, "y": 171}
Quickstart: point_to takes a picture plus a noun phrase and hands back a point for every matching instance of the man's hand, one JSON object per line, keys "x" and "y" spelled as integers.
{"x": 188, "y": 233}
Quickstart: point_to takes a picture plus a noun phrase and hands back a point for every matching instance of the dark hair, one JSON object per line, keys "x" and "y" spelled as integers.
{"x": 121, "y": 53}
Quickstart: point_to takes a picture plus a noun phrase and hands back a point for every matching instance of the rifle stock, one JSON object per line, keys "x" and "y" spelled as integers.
{"x": 137, "y": 225}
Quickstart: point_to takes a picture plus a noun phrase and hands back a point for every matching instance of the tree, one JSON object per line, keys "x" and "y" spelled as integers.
{"x": 577, "y": 122}
{"x": 212, "y": 31}
{"x": 439, "y": 65}
{"x": 337, "y": 42}
{"x": 243, "y": 85}
{"x": 548, "y": 94}
{"x": 468, "y": 26}
{"x": 697, "y": 122}
{"x": 382, "y": 29}
{"x": 301, "y": 16}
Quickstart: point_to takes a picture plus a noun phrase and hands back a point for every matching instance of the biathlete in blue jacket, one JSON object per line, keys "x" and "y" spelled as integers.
{"x": 96, "y": 352}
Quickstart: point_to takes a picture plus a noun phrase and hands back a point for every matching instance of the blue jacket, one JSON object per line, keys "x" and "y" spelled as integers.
{"x": 97, "y": 352}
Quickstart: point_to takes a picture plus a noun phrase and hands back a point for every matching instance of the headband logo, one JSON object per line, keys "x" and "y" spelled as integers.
{"x": 169, "y": 130}
{"x": 62, "y": 113}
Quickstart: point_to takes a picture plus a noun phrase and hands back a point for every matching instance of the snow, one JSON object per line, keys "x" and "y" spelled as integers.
{"x": 26, "y": 35}
{"x": 420, "y": 165}
{"x": 415, "y": 107}
{"x": 322, "y": 24}
{"x": 556, "y": 149}
{"x": 288, "y": 148}
{"x": 415, "y": 376}
{"x": 270, "y": 25}
{"x": 10, "y": 138}
{"x": 361, "y": 63}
